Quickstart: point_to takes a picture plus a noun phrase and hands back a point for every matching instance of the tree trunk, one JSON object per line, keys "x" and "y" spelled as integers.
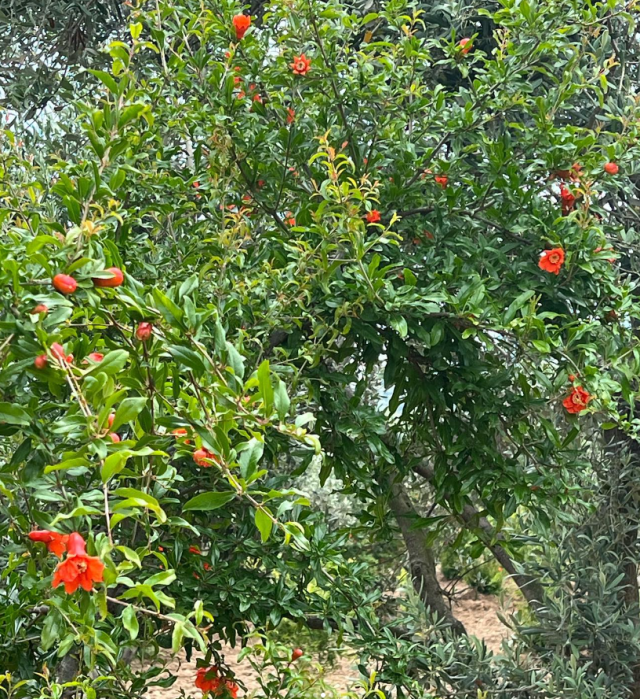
{"x": 421, "y": 560}
{"x": 530, "y": 587}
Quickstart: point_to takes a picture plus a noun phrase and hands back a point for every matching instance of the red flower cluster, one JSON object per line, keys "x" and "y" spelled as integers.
{"x": 241, "y": 23}
{"x": 577, "y": 400}
{"x": 373, "y": 216}
{"x": 442, "y": 180}
{"x": 301, "y": 64}
{"x": 78, "y": 569}
{"x": 208, "y": 680}
{"x": 552, "y": 260}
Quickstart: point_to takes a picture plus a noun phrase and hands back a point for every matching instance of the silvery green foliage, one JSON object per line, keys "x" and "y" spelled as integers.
{"x": 338, "y": 508}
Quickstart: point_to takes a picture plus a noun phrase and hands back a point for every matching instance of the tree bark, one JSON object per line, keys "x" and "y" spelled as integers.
{"x": 421, "y": 560}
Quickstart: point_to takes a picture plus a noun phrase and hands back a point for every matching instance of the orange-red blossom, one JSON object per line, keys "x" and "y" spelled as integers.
{"x": 78, "y": 569}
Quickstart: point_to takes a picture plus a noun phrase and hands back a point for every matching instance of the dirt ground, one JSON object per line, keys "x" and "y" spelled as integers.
{"x": 479, "y": 614}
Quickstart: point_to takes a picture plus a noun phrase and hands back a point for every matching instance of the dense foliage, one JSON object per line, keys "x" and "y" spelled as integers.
{"x": 365, "y": 239}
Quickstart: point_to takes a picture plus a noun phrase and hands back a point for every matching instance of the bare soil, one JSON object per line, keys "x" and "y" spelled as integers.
{"x": 479, "y": 614}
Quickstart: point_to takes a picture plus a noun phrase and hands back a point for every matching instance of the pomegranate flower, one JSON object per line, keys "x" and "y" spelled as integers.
{"x": 567, "y": 200}
{"x": 78, "y": 569}
{"x": 552, "y": 260}
{"x": 577, "y": 400}
{"x": 241, "y": 23}
{"x": 56, "y": 543}
{"x": 208, "y": 680}
{"x": 301, "y": 65}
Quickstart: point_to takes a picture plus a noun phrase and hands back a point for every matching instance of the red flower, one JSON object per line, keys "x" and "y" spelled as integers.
{"x": 442, "y": 180}
{"x": 291, "y": 219}
{"x": 205, "y": 677}
{"x": 611, "y": 168}
{"x": 552, "y": 260}
{"x": 40, "y": 308}
{"x": 114, "y": 437}
{"x": 56, "y": 543}
{"x": 301, "y": 64}
{"x": 577, "y": 400}
{"x": 78, "y": 569}
{"x": 567, "y": 199}
{"x": 195, "y": 549}
{"x": 41, "y": 361}
{"x": 465, "y": 46}
{"x": 208, "y": 681}
{"x": 291, "y": 115}
{"x": 241, "y": 23}
{"x": 373, "y": 216}
{"x": 179, "y": 432}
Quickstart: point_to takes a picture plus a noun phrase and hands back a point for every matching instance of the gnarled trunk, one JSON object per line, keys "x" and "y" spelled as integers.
{"x": 421, "y": 560}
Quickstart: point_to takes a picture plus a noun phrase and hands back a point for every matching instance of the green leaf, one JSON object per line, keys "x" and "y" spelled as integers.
{"x": 209, "y": 501}
{"x": 188, "y": 357}
{"x": 168, "y": 309}
{"x": 264, "y": 384}
{"x": 399, "y": 324}
{"x": 14, "y": 415}
{"x": 264, "y": 522}
{"x": 114, "y": 463}
{"x": 281, "y": 399}
{"x": 130, "y": 622}
{"x": 128, "y": 410}
{"x": 166, "y": 577}
{"x": 107, "y": 80}
{"x": 188, "y": 285}
{"x": 111, "y": 363}
{"x": 516, "y": 305}
{"x": 250, "y": 455}
{"x": 235, "y": 360}
{"x": 51, "y": 630}
{"x": 130, "y": 113}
